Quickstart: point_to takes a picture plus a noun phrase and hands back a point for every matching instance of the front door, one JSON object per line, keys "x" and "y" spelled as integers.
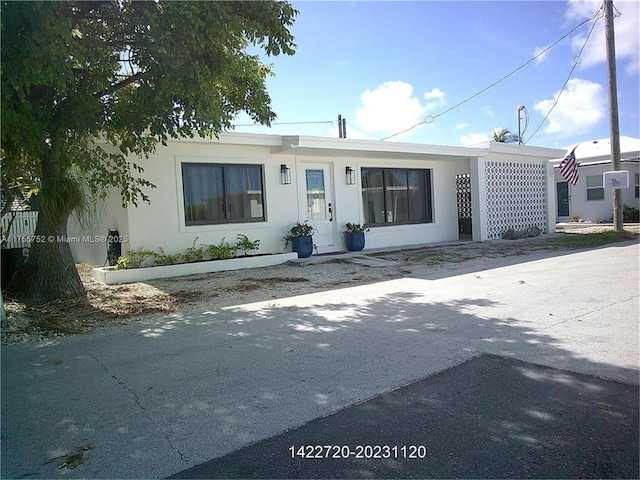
{"x": 562, "y": 195}
{"x": 317, "y": 202}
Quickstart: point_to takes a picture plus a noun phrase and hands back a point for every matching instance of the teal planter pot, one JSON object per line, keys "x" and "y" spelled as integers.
{"x": 355, "y": 241}
{"x": 303, "y": 246}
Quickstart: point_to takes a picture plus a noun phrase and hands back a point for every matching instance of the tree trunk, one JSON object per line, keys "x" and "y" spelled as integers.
{"x": 50, "y": 273}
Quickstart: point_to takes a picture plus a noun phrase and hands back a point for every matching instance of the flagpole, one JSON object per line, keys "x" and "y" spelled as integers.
{"x": 614, "y": 127}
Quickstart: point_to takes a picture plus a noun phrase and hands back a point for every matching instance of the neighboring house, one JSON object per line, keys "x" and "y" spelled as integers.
{"x": 260, "y": 185}
{"x": 588, "y": 199}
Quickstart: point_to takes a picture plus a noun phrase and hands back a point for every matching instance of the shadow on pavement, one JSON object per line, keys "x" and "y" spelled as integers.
{"x": 490, "y": 417}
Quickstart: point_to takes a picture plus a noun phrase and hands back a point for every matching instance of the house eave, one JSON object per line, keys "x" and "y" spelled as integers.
{"x": 525, "y": 150}
{"x": 355, "y": 148}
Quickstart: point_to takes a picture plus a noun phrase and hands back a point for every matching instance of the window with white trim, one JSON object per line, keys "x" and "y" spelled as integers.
{"x": 595, "y": 189}
{"x": 222, "y": 193}
{"x": 637, "y": 185}
{"x": 396, "y": 196}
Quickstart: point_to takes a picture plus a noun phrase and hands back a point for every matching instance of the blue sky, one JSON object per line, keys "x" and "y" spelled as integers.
{"x": 388, "y": 65}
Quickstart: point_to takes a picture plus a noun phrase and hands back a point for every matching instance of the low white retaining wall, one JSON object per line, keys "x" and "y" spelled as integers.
{"x": 111, "y": 276}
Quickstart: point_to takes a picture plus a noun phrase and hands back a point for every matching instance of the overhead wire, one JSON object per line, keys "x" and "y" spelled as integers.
{"x": 431, "y": 118}
{"x": 576, "y": 61}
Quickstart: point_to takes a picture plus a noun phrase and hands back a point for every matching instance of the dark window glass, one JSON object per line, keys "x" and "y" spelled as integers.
{"x": 396, "y": 196}
{"x": 222, "y": 193}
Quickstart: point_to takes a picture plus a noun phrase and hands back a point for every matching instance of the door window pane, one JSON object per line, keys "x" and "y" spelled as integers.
{"x": 316, "y": 196}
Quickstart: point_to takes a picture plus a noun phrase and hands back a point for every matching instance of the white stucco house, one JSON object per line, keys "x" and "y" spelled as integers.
{"x": 260, "y": 185}
{"x": 588, "y": 199}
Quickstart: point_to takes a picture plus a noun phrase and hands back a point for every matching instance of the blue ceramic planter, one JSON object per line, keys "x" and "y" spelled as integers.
{"x": 303, "y": 246}
{"x": 355, "y": 241}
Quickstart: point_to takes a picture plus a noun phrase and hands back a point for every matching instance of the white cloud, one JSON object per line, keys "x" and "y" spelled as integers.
{"x": 580, "y": 108}
{"x": 460, "y": 126}
{"x": 437, "y": 98}
{"x": 393, "y": 107}
{"x": 474, "y": 139}
{"x": 626, "y": 27}
{"x": 537, "y": 52}
{"x": 487, "y": 111}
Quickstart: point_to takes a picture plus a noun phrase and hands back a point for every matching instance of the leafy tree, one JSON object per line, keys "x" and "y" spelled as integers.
{"x": 77, "y": 74}
{"x": 504, "y": 135}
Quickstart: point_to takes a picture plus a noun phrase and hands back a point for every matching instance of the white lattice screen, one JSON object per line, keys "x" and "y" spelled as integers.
{"x": 516, "y": 196}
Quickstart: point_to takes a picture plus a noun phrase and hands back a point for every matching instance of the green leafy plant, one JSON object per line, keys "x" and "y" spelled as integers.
{"x": 134, "y": 259}
{"x": 223, "y": 251}
{"x": 630, "y": 214}
{"x": 247, "y": 245}
{"x": 193, "y": 253}
{"x": 299, "y": 230}
{"x": 163, "y": 258}
{"x": 354, "y": 228}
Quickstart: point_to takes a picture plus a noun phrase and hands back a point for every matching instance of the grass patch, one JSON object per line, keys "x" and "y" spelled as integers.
{"x": 577, "y": 240}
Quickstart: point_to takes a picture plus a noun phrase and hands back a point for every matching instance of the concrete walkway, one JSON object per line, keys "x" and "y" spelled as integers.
{"x": 152, "y": 400}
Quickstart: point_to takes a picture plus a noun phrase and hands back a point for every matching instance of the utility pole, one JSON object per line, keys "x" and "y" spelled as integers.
{"x": 614, "y": 127}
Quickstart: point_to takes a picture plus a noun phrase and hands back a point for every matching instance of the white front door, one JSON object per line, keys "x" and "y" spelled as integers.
{"x": 316, "y": 202}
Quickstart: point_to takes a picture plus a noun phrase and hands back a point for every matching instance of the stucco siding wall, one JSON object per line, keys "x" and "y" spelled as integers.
{"x": 88, "y": 240}
{"x": 598, "y": 210}
{"x": 161, "y": 223}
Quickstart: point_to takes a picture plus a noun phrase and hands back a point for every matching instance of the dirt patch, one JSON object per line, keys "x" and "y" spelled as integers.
{"x": 108, "y": 305}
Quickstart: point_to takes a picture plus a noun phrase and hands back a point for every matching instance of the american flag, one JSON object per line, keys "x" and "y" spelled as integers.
{"x": 569, "y": 168}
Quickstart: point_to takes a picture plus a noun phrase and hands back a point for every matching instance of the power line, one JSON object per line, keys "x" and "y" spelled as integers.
{"x": 431, "y": 118}
{"x": 576, "y": 61}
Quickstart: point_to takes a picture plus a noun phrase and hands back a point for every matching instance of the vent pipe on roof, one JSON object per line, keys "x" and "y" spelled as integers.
{"x": 342, "y": 127}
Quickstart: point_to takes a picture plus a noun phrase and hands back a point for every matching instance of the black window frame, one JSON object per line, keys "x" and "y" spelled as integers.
{"x": 425, "y": 175}
{"x": 224, "y": 169}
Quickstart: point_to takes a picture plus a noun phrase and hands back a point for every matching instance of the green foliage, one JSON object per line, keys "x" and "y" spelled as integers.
{"x": 163, "y": 258}
{"x": 222, "y": 251}
{"x": 246, "y": 245}
{"x": 87, "y": 86}
{"x": 193, "y": 253}
{"x": 298, "y": 230}
{"x": 581, "y": 240}
{"x": 354, "y": 228}
{"x": 630, "y": 214}
{"x": 134, "y": 259}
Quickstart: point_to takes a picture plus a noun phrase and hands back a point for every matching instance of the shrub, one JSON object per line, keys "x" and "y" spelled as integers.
{"x": 165, "y": 258}
{"x": 298, "y": 230}
{"x": 222, "y": 251}
{"x": 133, "y": 259}
{"x": 193, "y": 253}
{"x": 245, "y": 244}
{"x": 354, "y": 228}
{"x": 630, "y": 214}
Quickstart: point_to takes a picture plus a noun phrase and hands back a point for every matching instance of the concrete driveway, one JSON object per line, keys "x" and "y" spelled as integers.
{"x": 152, "y": 400}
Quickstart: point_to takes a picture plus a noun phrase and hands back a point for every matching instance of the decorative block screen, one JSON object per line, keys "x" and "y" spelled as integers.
{"x": 516, "y": 197}
{"x": 463, "y": 192}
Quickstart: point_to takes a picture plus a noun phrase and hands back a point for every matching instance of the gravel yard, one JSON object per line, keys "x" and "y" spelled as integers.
{"x": 112, "y": 305}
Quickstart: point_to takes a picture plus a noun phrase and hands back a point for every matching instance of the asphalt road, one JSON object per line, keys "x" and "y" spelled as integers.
{"x": 150, "y": 401}
{"x": 490, "y": 417}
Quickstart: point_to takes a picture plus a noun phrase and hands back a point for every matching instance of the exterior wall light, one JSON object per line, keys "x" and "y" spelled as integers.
{"x": 285, "y": 175}
{"x": 351, "y": 176}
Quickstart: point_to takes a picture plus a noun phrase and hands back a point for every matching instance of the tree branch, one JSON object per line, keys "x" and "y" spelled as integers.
{"x": 117, "y": 86}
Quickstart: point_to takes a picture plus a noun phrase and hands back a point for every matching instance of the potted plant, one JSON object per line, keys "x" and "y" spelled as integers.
{"x": 354, "y": 235}
{"x": 301, "y": 239}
